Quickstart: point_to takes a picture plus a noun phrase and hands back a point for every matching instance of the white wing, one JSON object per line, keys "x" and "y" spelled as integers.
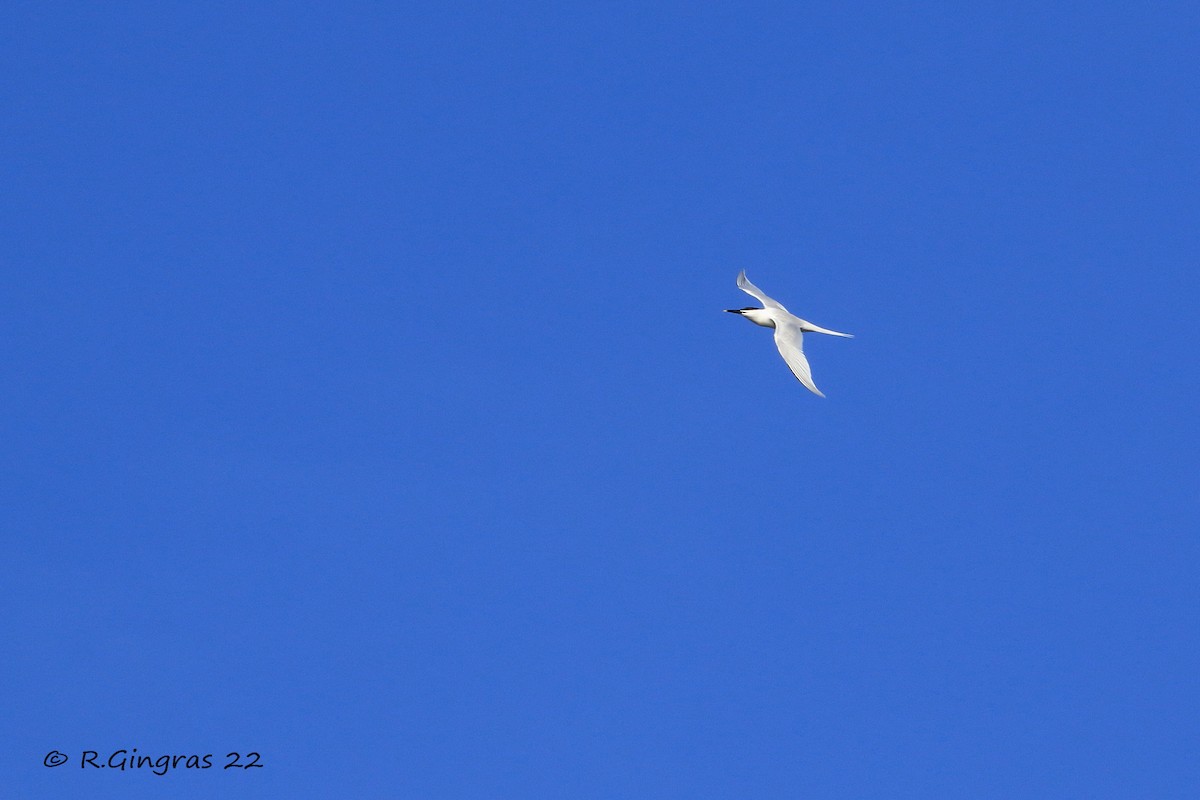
{"x": 789, "y": 340}
{"x": 749, "y": 288}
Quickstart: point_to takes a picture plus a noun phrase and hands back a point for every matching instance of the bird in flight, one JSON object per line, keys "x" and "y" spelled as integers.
{"x": 789, "y": 330}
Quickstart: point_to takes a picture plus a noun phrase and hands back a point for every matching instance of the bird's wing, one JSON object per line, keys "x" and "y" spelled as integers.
{"x": 789, "y": 340}
{"x": 749, "y": 288}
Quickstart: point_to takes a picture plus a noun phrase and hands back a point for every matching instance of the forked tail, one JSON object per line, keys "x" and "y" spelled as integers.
{"x": 808, "y": 326}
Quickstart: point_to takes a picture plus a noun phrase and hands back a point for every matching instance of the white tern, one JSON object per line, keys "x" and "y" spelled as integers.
{"x": 789, "y": 330}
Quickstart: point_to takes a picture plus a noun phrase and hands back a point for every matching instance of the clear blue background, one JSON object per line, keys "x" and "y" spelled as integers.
{"x": 368, "y": 401}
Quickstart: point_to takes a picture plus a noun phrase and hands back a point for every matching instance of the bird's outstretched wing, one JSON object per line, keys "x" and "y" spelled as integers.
{"x": 790, "y": 342}
{"x": 749, "y": 288}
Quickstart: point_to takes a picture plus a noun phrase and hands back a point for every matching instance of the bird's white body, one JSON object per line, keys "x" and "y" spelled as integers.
{"x": 789, "y": 330}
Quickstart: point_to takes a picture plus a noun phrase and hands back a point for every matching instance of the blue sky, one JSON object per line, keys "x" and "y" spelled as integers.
{"x": 368, "y": 402}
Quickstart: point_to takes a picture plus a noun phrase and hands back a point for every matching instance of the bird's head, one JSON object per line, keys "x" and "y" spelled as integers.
{"x": 759, "y": 316}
